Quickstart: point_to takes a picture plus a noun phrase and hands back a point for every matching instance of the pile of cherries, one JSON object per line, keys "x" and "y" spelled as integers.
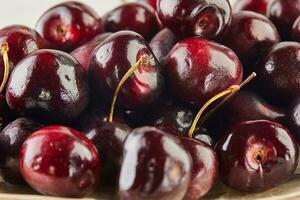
{"x": 146, "y": 98}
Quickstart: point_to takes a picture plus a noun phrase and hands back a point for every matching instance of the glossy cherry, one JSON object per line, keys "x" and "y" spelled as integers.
{"x": 296, "y": 30}
{"x": 293, "y": 118}
{"x": 205, "y": 18}
{"x": 178, "y": 117}
{"x": 198, "y": 69}
{"x": 283, "y": 14}
{"x": 21, "y": 41}
{"x": 258, "y": 6}
{"x": 257, "y": 155}
{"x": 69, "y": 25}
{"x": 155, "y": 165}
{"x": 106, "y": 70}
{"x": 84, "y": 53}
{"x": 278, "y": 73}
{"x": 137, "y": 17}
{"x": 60, "y": 161}
{"x": 48, "y": 84}
{"x": 11, "y": 140}
{"x": 162, "y": 43}
{"x": 250, "y": 36}
{"x": 205, "y": 168}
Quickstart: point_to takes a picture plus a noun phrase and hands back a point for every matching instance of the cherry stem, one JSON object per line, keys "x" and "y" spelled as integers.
{"x": 4, "y": 52}
{"x": 144, "y": 60}
{"x": 230, "y": 92}
{"x": 213, "y": 110}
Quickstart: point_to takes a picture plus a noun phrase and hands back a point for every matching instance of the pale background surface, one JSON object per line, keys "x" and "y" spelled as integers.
{"x": 27, "y": 12}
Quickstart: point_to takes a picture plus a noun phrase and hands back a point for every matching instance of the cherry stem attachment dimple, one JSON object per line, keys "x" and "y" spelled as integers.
{"x": 231, "y": 91}
{"x": 144, "y": 60}
{"x": 4, "y": 52}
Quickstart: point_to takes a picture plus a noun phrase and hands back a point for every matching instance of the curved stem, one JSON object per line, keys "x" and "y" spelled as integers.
{"x": 208, "y": 103}
{"x": 4, "y": 51}
{"x": 230, "y": 92}
{"x": 213, "y": 110}
{"x": 144, "y": 60}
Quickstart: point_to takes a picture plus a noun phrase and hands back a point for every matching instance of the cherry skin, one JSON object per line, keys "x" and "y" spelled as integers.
{"x": 258, "y": 6}
{"x": 206, "y": 18}
{"x": 198, "y": 69}
{"x": 278, "y": 73}
{"x": 293, "y": 118}
{"x": 106, "y": 70}
{"x": 205, "y": 168}
{"x": 84, "y": 53}
{"x": 7, "y": 115}
{"x": 296, "y": 30}
{"x": 48, "y": 84}
{"x": 283, "y": 14}
{"x": 257, "y": 155}
{"x": 162, "y": 43}
{"x": 178, "y": 117}
{"x": 11, "y": 140}
{"x": 151, "y": 169}
{"x": 21, "y": 41}
{"x": 69, "y": 25}
{"x": 249, "y": 40}
{"x": 60, "y": 161}
{"x": 128, "y": 17}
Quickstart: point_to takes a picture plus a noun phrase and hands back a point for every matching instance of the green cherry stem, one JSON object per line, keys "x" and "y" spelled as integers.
{"x": 144, "y": 60}
{"x": 4, "y": 52}
{"x": 230, "y": 92}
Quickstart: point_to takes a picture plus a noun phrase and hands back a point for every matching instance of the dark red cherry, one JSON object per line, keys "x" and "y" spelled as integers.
{"x": 21, "y": 41}
{"x": 84, "y": 53}
{"x": 293, "y": 118}
{"x": 49, "y": 84}
{"x": 258, "y": 6}
{"x": 250, "y": 36}
{"x": 69, "y": 25}
{"x": 296, "y": 30}
{"x": 205, "y": 168}
{"x": 60, "y": 161}
{"x": 154, "y": 166}
{"x": 283, "y": 14}
{"x": 205, "y": 18}
{"x": 6, "y": 114}
{"x": 136, "y": 17}
{"x": 178, "y": 117}
{"x": 108, "y": 138}
{"x": 198, "y": 69}
{"x": 162, "y": 43}
{"x": 278, "y": 79}
{"x": 111, "y": 61}
{"x": 11, "y": 140}
{"x": 257, "y": 155}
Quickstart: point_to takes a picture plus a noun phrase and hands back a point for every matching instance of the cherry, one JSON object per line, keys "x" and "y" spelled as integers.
{"x": 296, "y": 30}
{"x": 60, "y": 161}
{"x": 127, "y": 50}
{"x": 257, "y": 155}
{"x": 205, "y": 168}
{"x": 6, "y": 115}
{"x": 84, "y": 53}
{"x": 21, "y": 41}
{"x": 69, "y": 25}
{"x": 178, "y": 117}
{"x": 48, "y": 84}
{"x": 283, "y": 14}
{"x": 250, "y": 36}
{"x": 206, "y": 18}
{"x": 136, "y": 17}
{"x": 293, "y": 118}
{"x": 278, "y": 74}
{"x": 258, "y": 6}
{"x": 155, "y": 165}
{"x": 11, "y": 140}
{"x": 197, "y": 69}
{"x": 162, "y": 43}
